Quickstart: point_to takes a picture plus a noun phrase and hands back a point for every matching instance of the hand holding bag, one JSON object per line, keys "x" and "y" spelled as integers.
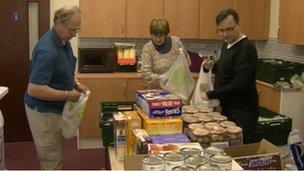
{"x": 72, "y": 116}
{"x": 199, "y": 98}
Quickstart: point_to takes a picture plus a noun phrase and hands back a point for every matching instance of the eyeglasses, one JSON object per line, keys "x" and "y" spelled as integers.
{"x": 226, "y": 30}
{"x": 75, "y": 31}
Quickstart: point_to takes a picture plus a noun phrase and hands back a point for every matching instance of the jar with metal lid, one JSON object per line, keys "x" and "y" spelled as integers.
{"x": 218, "y": 134}
{"x": 153, "y": 163}
{"x": 173, "y": 159}
{"x": 183, "y": 168}
{"x": 185, "y": 115}
{"x": 191, "y": 152}
{"x": 189, "y": 109}
{"x": 187, "y": 121}
{"x": 235, "y": 133}
{"x": 225, "y": 124}
{"x": 211, "y": 125}
{"x": 202, "y": 136}
{"x": 192, "y": 127}
{"x": 214, "y": 114}
{"x": 222, "y": 160}
{"x": 205, "y": 119}
{"x": 194, "y": 161}
{"x": 208, "y": 152}
{"x": 219, "y": 118}
{"x": 199, "y": 114}
{"x": 207, "y": 166}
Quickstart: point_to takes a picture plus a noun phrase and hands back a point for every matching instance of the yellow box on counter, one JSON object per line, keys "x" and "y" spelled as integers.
{"x": 133, "y": 121}
{"x": 155, "y": 126}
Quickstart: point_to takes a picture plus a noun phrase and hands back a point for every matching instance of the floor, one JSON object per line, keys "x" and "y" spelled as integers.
{"x": 22, "y": 156}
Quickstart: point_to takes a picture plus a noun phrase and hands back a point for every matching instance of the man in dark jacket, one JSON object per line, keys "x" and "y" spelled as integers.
{"x": 234, "y": 83}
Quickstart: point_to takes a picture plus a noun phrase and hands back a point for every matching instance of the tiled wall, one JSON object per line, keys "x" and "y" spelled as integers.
{"x": 266, "y": 49}
{"x": 273, "y": 49}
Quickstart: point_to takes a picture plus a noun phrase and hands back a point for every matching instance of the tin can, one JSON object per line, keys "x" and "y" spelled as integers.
{"x": 153, "y": 163}
{"x": 183, "y": 168}
{"x": 222, "y": 160}
{"x": 190, "y": 152}
{"x": 173, "y": 159}
{"x": 194, "y": 161}
{"x": 207, "y": 166}
{"x": 208, "y": 152}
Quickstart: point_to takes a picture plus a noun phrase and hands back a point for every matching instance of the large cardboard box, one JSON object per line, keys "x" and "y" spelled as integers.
{"x": 159, "y": 103}
{"x": 134, "y": 162}
{"x": 256, "y": 156}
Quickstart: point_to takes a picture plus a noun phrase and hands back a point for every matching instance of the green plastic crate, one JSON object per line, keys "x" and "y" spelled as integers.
{"x": 275, "y": 131}
{"x": 274, "y": 70}
{"x": 106, "y": 119}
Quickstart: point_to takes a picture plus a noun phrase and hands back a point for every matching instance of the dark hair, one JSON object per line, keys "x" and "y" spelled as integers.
{"x": 159, "y": 26}
{"x": 225, "y": 13}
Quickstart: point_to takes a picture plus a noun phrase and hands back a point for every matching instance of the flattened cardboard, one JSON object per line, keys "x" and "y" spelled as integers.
{"x": 133, "y": 162}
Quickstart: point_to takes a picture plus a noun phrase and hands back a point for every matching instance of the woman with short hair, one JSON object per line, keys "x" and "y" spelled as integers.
{"x": 160, "y": 53}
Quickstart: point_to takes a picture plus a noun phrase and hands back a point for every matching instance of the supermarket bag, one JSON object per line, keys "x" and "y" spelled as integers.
{"x": 203, "y": 85}
{"x": 72, "y": 115}
{"x": 178, "y": 79}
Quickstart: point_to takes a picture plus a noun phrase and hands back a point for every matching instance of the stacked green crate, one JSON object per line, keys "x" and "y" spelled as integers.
{"x": 274, "y": 127}
{"x": 106, "y": 119}
{"x": 274, "y": 70}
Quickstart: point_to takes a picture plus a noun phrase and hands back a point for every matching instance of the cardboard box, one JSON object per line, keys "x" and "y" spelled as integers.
{"x": 159, "y": 103}
{"x": 257, "y": 156}
{"x": 158, "y": 126}
{"x": 171, "y": 147}
{"x": 171, "y": 138}
{"x": 133, "y": 121}
{"x": 120, "y": 135}
{"x": 141, "y": 140}
{"x": 134, "y": 162}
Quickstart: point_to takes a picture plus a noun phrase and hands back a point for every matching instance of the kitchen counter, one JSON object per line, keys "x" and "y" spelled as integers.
{"x": 3, "y": 91}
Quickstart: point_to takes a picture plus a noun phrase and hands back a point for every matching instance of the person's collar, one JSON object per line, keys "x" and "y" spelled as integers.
{"x": 233, "y": 43}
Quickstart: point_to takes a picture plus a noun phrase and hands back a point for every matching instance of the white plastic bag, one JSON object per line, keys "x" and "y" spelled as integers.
{"x": 72, "y": 115}
{"x": 295, "y": 151}
{"x": 178, "y": 79}
{"x": 203, "y": 85}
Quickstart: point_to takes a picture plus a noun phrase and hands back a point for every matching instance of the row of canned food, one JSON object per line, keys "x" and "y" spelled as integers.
{"x": 188, "y": 159}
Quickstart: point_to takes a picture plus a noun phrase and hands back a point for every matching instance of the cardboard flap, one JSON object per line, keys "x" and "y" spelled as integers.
{"x": 133, "y": 162}
{"x": 263, "y": 147}
{"x": 237, "y": 151}
{"x": 266, "y": 147}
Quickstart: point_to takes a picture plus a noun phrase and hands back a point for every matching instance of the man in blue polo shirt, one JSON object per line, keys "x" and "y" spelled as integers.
{"x": 51, "y": 83}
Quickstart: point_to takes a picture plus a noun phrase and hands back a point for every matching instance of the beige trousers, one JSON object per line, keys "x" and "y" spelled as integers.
{"x": 47, "y": 137}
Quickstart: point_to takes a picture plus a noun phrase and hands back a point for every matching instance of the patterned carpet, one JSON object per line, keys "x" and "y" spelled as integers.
{"x": 22, "y": 156}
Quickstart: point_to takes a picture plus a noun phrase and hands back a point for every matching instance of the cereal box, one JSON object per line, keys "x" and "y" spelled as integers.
{"x": 159, "y": 103}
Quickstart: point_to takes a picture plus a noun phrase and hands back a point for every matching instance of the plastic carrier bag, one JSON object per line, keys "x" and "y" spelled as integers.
{"x": 295, "y": 158}
{"x": 72, "y": 115}
{"x": 203, "y": 85}
{"x": 178, "y": 79}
